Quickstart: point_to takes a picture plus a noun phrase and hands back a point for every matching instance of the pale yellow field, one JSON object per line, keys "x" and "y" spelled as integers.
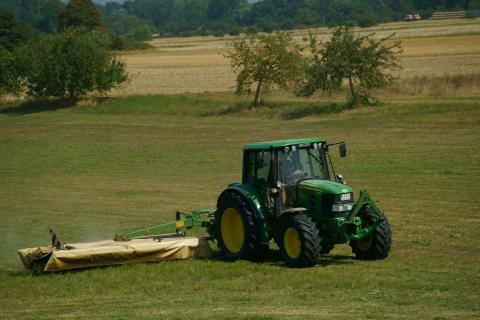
{"x": 196, "y": 64}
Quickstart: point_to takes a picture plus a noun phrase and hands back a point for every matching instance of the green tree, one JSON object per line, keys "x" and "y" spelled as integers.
{"x": 38, "y": 14}
{"x": 131, "y": 27}
{"x": 265, "y": 60}
{"x": 361, "y": 60}
{"x": 140, "y": 33}
{"x": 12, "y": 32}
{"x": 9, "y": 76}
{"x": 218, "y": 9}
{"x": 474, "y": 4}
{"x": 80, "y": 13}
{"x": 70, "y": 64}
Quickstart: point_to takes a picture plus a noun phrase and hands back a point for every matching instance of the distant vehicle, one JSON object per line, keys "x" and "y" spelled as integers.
{"x": 412, "y": 17}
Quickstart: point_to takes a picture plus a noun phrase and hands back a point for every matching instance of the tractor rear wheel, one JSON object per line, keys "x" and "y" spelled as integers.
{"x": 236, "y": 228}
{"x": 377, "y": 245}
{"x": 299, "y": 241}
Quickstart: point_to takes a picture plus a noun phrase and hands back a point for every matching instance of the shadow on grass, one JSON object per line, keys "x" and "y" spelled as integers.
{"x": 293, "y": 110}
{"x": 272, "y": 258}
{"x": 19, "y": 273}
{"x": 38, "y": 105}
{"x": 302, "y": 112}
{"x": 235, "y": 108}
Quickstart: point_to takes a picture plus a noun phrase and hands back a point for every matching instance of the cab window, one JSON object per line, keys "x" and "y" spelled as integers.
{"x": 258, "y": 167}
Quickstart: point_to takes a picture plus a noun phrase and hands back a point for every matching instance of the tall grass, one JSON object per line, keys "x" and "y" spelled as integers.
{"x": 439, "y": 86}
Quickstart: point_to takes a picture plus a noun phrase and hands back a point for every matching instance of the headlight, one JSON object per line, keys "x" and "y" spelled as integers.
{"x": 342, "y": 207}
{"x": 346, "y": 197}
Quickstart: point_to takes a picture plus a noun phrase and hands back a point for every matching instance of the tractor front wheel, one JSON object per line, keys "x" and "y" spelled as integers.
{"x": 377, "y": 244}
{"x": 236, "y": 228}
{"x": 299, "y": 241}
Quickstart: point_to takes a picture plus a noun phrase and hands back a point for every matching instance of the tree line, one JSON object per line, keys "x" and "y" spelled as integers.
{"x": 219, "y": 17}
{"x": 138, "y": 19}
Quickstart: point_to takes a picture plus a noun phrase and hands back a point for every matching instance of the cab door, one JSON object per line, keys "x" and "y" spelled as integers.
{"x": 258, "y": 168}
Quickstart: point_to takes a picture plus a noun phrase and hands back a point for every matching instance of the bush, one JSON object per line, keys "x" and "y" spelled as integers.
{"x": 234, "y": 30}
{"x": 70, "y": 64}
{"x": 140, "y": 33}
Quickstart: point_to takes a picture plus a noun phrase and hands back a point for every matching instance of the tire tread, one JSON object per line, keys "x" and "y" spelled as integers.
{"x": 382, "y": 239}
{"x": 252, "y": 249}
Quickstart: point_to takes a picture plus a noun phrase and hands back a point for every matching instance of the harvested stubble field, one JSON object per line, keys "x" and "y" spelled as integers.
{"x": 128, "y": 162}
{"x": 196, "y": 64}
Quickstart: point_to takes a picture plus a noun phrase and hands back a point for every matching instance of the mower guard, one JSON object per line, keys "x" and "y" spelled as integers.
{"x": 111, "y": 252}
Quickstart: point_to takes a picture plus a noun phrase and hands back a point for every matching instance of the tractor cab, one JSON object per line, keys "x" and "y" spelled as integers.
{"x": 279, "y": 170}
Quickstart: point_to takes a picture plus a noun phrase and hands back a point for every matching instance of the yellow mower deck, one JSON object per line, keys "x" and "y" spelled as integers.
{"x": 110, "y": 252}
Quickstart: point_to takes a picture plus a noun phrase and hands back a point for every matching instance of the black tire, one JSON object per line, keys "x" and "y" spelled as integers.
{"x": 377, "y": 245}
{"x": 250, "y": 246}
{"x": 306, "y": 250}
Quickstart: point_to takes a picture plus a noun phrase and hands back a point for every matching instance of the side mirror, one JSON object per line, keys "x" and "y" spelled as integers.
{"x": 343, "y": 150}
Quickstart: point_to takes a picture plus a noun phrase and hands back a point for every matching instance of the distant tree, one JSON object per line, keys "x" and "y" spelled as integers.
{"x": 361, "y": 60}
{"x": 121, "y": 24}
{"x": 12, "y": 32}
{"x": 218, "y": 9}
{"x": 38, "y": 14}
{"x": 80, "y": 13}
{"x": 474, "y": 5}
{"x": 265, "y": 60}
{"x": 224, "y": 16}
{"x": 267, "y": 24}
{"x": 9, "y": 76}
{"x": 70, "y": 64}
{"x": 112, "y": 8}
{"x": 41, "y": 14}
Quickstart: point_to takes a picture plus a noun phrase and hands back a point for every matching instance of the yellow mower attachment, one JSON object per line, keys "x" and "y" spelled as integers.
{"x": 145, "y": 245}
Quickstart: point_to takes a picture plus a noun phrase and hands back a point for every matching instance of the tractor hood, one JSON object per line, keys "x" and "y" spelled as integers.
{"x": 324, "y": 186}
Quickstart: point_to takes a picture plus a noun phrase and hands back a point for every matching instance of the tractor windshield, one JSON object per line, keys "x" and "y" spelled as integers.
{"x": 301, "y": 163}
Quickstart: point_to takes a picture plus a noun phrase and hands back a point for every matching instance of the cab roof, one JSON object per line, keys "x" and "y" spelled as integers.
{"x": 280, "y": 143}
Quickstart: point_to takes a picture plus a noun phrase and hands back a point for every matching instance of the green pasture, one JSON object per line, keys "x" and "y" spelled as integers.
{"x": 93, "y": 170}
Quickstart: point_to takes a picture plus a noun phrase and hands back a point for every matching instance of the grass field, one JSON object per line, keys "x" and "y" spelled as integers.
{"x": 91, "y": 171}
{"x": 126, "y": 162}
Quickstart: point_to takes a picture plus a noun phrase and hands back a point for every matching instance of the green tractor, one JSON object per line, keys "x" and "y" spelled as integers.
{"x": 290, "y": 193}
